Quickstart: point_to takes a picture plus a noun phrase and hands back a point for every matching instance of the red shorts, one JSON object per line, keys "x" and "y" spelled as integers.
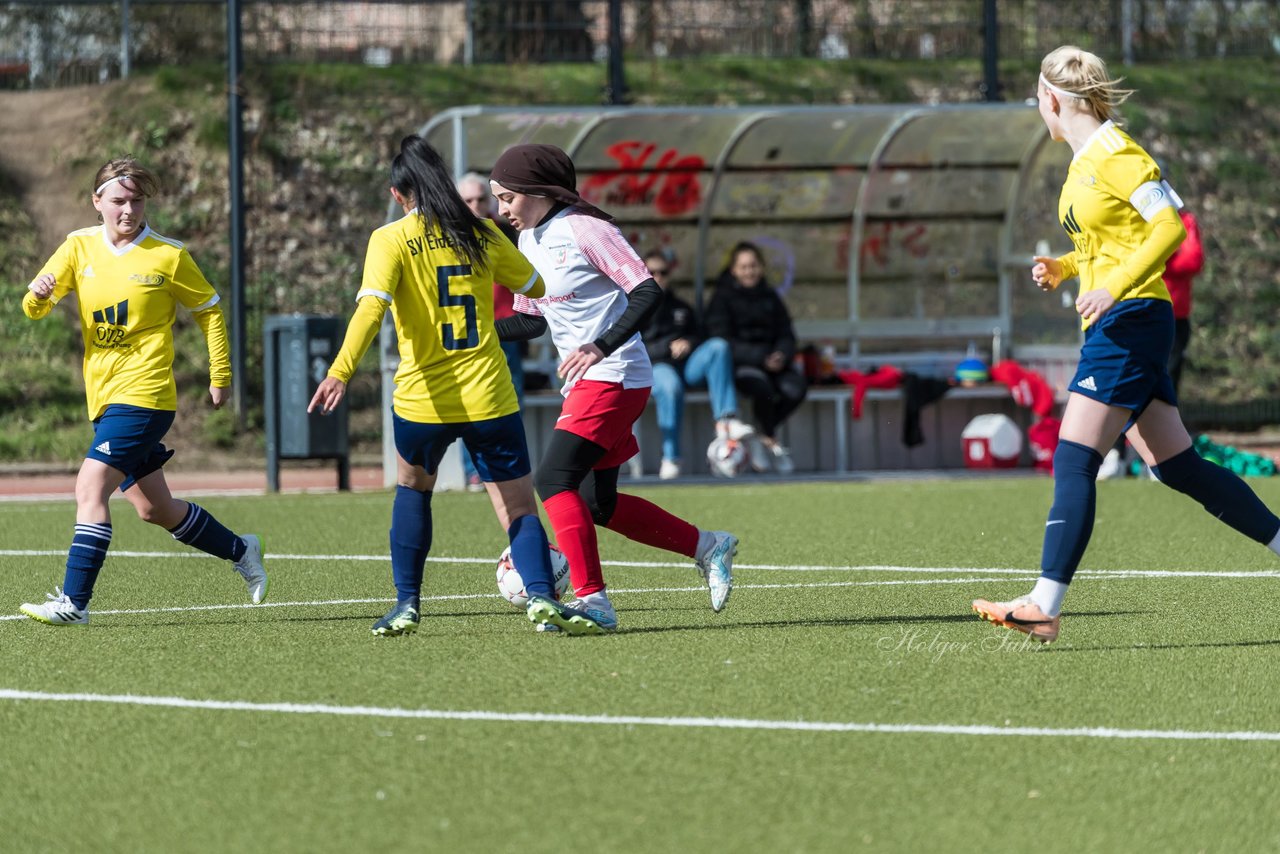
{"x": 602, "y": 413}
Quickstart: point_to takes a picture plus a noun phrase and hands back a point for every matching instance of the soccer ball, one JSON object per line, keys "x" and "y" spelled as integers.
{"x": 511, "y": 585}
{"x": 728, "y": 457}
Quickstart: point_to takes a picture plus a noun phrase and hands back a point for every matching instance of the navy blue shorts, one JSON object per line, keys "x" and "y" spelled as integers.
{"x": 497, "y": 446}
{"x": 1125, "y": 359}
{"x": 127, "y": 438}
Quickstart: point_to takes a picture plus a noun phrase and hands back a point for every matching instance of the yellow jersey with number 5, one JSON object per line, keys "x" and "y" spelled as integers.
{"x": 1111, "y": 197}
{"x": 128, "y": 302}
{"x": 451, "y": 367}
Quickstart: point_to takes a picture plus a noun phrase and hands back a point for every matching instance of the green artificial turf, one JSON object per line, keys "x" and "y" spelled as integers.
{"x": 826, "y": 625}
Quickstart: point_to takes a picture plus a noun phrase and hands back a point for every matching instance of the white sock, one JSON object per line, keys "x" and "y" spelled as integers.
{"x": 1274, "y": 545}
{"x": 706, "y": 542}
{"x": 1048, "y": 594}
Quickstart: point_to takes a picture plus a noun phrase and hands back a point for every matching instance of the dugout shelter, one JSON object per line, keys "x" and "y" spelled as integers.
{"x": 897, "y": 233}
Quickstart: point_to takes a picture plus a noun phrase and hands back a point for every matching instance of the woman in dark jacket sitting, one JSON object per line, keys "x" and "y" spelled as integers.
{"x": 752, "y": 317}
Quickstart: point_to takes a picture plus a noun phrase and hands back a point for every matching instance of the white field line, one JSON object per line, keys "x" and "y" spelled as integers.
{"x": 771, "y": 567}
{"x": 633, "y": 720}
{"x": 461, "y": 596}
{"x": 195, "y": 492}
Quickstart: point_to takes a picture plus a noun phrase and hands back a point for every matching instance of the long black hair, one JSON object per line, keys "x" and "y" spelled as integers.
{"x": 418, "y": 173}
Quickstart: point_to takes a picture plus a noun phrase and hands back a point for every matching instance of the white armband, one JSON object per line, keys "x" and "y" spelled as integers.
{"x": 533, "y": 280}
{"x": 204, "y": 306}
{"x": 1153, "y": 197}
{"x": 370, "y": 292}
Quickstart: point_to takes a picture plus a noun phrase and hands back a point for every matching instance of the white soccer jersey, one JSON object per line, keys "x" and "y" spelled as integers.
{"x": 589, "y": 268}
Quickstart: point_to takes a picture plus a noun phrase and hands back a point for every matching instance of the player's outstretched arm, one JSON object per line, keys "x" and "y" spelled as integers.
{"x": 576, "y": 364}
{"x": 214, "y": 327}
{"x": 1046, "y": 272}
{"x": 328, "y": 395}
{"x": 361, "y": 330}
{"x": 37, "y": 302}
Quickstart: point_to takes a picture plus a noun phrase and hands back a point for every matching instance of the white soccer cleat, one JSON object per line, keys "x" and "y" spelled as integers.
{"x": 59, "y": 610}
{"x": 668, "y": 470}
{"x": 598, "y": 607}
{"x": 589, "y": 615}
{"x": 716, "y": 567}
{"x": 251, "y": 568}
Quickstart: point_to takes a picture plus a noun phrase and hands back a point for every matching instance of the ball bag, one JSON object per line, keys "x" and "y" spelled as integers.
{"x": 991, "y": 442}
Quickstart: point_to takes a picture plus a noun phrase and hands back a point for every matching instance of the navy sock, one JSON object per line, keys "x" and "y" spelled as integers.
{"x": 88, "y": 550}
{"x": 200, "y": 530}
{"x": 410, "y": 540}
{"x": 1221, "y": 492}
{"x": 529, "y": 552}
{"x": 1075, "y": 499}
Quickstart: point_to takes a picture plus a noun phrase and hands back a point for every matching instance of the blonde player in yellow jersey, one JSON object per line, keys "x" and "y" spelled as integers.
{"x": 129, "y": 282}
{"x": 1123, "y": 220}
{"x": 435, "y": 269}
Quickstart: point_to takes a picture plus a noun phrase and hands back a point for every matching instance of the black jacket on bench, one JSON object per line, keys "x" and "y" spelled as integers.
{"x": 673, "y": 320}
{"x": 754, "y": 321}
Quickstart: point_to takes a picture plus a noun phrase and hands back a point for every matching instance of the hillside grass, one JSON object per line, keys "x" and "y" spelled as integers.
{"x": 319, "y": 138}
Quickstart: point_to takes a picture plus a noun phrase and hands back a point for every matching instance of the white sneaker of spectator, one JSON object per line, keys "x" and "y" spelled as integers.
{"x": 1112, "y": 466}
{"x": 782, "y": 459}
{"x": 759, "y": 454}
{"x": 668, "y": 469}
{"x": 734, "y": 429}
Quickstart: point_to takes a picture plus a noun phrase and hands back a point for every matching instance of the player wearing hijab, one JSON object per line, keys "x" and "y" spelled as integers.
{"x": 599, "y": 295}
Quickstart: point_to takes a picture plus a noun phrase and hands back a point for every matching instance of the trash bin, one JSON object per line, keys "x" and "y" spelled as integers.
{"x": 298, "y": 350}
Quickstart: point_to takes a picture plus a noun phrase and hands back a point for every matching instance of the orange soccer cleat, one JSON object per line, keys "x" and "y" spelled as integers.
{"x": 1021, "y": 614}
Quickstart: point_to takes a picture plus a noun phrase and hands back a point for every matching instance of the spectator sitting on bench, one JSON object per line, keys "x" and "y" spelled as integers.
{"x": 682, "y": 359}
{"x": 752, "y": 317}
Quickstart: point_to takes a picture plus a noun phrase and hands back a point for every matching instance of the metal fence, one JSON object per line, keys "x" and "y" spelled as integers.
{"x": 51, "y": 42}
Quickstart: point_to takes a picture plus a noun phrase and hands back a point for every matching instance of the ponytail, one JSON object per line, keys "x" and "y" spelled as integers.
{"x": 418, "y": 173}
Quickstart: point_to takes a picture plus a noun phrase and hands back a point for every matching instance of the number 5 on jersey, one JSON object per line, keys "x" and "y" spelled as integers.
{"x": 447, "y": 336}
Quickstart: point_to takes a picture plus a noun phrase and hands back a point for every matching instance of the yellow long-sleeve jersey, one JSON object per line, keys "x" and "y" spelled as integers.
{"x": 1122, "y": 218}
{"x": 451, "y": 367}
{"x": 128, "y": 302}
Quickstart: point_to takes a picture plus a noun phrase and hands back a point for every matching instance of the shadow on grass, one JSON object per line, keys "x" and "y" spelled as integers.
{"x": 837, "y": 622}
{"x": 822, "y": 622}
{"x": 1155, "y": 647}
{"x": 827, "y": 622}
{"x": 189, "y": 621}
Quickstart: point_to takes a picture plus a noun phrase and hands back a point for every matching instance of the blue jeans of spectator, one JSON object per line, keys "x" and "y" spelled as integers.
{"x": 510, "y": 349}
{"x": 710, "y": 365}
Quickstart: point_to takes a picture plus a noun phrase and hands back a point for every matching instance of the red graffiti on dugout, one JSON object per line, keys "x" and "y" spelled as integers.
{"x": 882, "y": 239}
{"x": 671, "y": 184}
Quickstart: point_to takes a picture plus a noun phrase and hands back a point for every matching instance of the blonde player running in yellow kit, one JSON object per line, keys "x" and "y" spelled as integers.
{"x": 435, "y": 269}
{"x": 1123, "y": 221}
{"x": 130, "y": 282}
